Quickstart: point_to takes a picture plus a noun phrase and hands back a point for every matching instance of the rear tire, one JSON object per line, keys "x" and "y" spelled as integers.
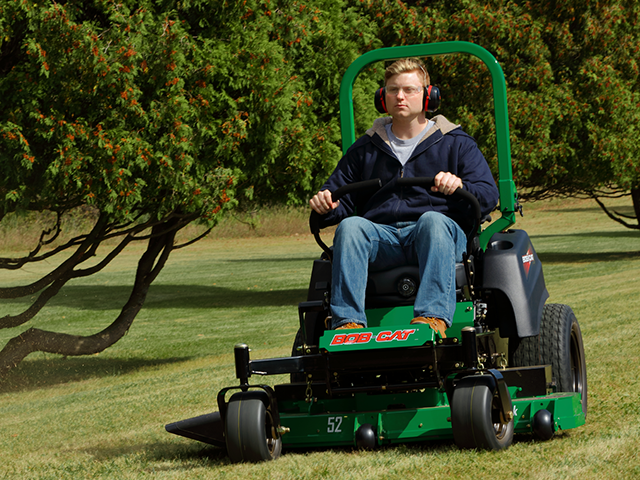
{"x": 250, "y": 430}
{"x": 559, "y": 344}
{"x": 475, "y": 416}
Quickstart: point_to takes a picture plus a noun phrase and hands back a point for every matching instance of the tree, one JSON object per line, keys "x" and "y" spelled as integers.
{"x": 593, "y": 52}
{"x": 156, "y": 115}
{"x": 96, "y": 114}
{"x": 572, "y": 79}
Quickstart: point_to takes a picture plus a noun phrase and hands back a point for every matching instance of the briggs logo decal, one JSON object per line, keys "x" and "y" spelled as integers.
{"x": 365, "y": 337}
{"x": 527, "y": 260}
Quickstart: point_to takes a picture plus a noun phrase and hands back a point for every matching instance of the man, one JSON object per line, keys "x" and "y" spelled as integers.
{"x": 404, "y": 225}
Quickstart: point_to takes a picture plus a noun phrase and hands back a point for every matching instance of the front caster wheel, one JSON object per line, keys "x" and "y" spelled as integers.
{"x": 250, "y": 431}
{"x": 475, "y": 416}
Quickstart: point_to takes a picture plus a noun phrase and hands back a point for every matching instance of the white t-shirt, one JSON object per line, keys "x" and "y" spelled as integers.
{"x": 404, "y": 148}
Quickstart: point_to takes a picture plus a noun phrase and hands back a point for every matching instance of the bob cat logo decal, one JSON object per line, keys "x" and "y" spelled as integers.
{"x": 366, "y": 337}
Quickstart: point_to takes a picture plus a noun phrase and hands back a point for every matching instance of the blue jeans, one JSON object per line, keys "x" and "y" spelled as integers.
{"x": 435, "y": 243}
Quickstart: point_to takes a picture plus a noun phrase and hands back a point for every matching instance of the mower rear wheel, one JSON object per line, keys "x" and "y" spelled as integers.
{"x": 559, "y": 344}
{"x": 475, "y": 416}
{"x": 250, "y": 431}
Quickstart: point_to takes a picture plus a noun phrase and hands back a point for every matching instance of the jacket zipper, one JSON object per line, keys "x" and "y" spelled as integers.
{"x": 400, "y": 196}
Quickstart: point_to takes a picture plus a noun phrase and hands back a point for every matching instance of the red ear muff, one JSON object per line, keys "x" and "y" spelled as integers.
{"x": 431, "y": 98}
{"x": 380, "y": 100}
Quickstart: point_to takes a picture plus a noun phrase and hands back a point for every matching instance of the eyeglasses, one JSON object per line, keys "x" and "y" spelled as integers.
{"x": 408, "y": 90}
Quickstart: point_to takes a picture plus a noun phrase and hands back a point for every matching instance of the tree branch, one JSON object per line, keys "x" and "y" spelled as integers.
{"x": 34, "y": 340}
{"x": 10, "y": 321}
{"x": 17, "y": 263}
{"x": 191, "y": 242}
{"x": 78, "y": 257}
{"x": 615, "y": 216}
{"x": 112, "y": 254}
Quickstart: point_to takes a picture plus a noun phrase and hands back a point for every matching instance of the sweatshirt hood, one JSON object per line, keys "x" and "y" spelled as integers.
{"x": 441, "y": 123}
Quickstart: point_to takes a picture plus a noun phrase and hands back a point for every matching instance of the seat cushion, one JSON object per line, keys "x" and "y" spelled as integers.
{"x": 398, "y": 285}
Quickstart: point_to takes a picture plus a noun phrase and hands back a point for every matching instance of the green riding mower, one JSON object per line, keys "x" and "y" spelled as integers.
{"x": 510, "y": 363}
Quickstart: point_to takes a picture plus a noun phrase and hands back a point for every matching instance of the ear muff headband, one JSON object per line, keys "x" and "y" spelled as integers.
{"x": 430, "y": 99}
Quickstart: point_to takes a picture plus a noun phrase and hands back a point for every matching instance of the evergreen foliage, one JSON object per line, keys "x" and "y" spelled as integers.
{"x": 156, "y": 105}
{"x": 572, "y": 80}
{"x": 160, "y": 113}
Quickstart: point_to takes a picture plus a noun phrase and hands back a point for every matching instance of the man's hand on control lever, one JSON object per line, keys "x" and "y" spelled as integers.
{"x": 446, "y": 183}
{"x": 323, "y": 203}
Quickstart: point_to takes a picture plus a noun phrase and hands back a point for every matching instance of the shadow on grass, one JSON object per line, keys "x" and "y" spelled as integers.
{"x": 101, "y": 297}
{"x": 57, "y": 370}
{"x": 274, "y": 259}
{"x": 199, "y": 296}
{"x": 578, "y": 257}
{"x": 622, "y": 234}
{"x": 182, "y": 456}
{"x": 623, "y": 209}
{"x": 186, "y": 455}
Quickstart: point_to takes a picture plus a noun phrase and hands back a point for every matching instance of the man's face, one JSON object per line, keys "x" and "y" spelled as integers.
{"x": 404, "y": 95}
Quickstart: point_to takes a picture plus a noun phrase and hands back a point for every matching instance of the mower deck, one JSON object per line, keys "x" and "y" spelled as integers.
{"x": 398, "y": 418}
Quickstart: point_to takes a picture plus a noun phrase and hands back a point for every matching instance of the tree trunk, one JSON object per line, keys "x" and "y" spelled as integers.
{"x": 635, "y": 196}
{"x": 36, "y": 340}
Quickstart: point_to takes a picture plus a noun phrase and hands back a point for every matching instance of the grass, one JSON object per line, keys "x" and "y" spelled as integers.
{"x": 103, "y": 416}
{"x": 19, "y": 232}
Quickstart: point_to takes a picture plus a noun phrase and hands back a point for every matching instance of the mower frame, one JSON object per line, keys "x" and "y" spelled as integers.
{"x": 509, "y": 363}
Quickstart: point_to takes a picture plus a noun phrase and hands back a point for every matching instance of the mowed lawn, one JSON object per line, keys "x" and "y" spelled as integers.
{"x": 103, "y": 416}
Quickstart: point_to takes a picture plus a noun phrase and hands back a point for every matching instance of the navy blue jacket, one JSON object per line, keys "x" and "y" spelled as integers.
{"x": 445, "y": 147}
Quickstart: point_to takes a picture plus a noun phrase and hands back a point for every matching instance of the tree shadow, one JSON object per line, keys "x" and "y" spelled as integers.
{"x": 275, "y": 259}
{"x": 603, "y": 234}
{"x": 595, "y": 209}
{"x": 624, "y": 209}
{"x": 101, "y": 297}
{"x": 57, "y": 370}
{"x": 578, "y": 257}
{"x": 211, "y": 297}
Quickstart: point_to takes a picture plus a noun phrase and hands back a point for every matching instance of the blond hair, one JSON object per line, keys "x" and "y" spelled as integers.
{"x": 407, "y": 65}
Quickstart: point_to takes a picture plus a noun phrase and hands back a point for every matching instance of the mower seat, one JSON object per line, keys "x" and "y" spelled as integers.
{"x": 389, "y": 288}
{"x": 397, "y": 286}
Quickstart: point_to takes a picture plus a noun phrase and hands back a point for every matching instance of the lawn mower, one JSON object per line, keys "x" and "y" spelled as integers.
{"x": 509, "y": 364}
